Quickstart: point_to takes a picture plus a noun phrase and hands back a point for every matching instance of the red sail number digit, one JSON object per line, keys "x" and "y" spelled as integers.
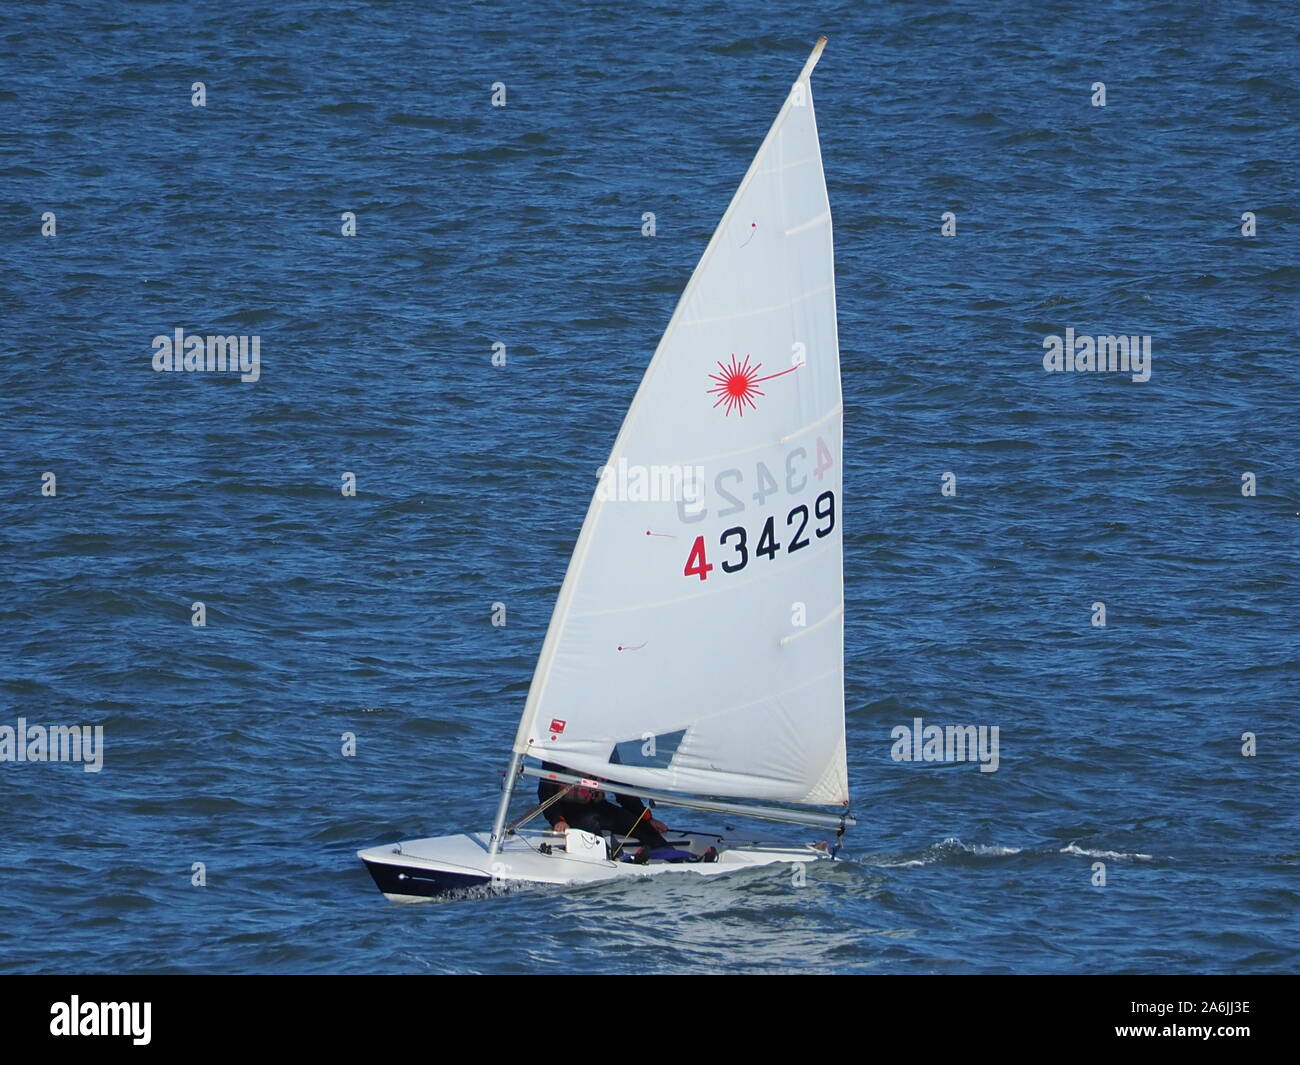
{"x": 696, "y": 563}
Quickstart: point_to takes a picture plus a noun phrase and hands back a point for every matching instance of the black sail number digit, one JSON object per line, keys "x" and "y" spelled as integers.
{"x": 741, "y": 549}
{"x": 825, "y": 511}
{"x": 802, "y": 511}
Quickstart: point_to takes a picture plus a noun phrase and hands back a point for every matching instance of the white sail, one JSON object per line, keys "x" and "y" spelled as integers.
{"x": 698, "y": 646}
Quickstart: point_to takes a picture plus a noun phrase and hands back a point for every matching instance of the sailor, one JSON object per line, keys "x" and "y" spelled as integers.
{"x": 587, "y": 808}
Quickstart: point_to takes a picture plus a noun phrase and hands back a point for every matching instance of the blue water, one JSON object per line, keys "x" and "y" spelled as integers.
{"x": 521, "y": 225}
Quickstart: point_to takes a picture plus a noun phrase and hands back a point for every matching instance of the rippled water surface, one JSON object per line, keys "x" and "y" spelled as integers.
{"x": 371, "y": 615}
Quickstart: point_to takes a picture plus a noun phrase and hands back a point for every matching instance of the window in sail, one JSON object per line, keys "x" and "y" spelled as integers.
{"x": 653, "y": 752}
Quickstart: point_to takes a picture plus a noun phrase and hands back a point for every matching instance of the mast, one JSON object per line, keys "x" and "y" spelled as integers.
{"x": 503, "y": 807}
{"x": 815, "y": 55}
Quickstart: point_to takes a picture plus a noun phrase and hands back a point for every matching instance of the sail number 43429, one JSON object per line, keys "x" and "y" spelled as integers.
{"x": 736, "y": 545}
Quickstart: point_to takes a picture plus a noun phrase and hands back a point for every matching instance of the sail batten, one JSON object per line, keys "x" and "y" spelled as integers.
{"x": 697, "y": 643}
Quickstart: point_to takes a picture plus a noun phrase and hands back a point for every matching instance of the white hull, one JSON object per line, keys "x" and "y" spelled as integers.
{"x": 451, "y": 867}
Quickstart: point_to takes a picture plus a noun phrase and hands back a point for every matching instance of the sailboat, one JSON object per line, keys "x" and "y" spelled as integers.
{"x": 695, "y": 656}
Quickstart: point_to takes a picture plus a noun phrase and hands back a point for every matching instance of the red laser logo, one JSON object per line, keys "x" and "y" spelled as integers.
{"x": 735, "y": 385}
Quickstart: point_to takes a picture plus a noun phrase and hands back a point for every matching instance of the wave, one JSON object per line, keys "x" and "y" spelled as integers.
{"x": 950, "y": 847}
{"x": 1074, "y": 848}
{"x": 954, "y": 849}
